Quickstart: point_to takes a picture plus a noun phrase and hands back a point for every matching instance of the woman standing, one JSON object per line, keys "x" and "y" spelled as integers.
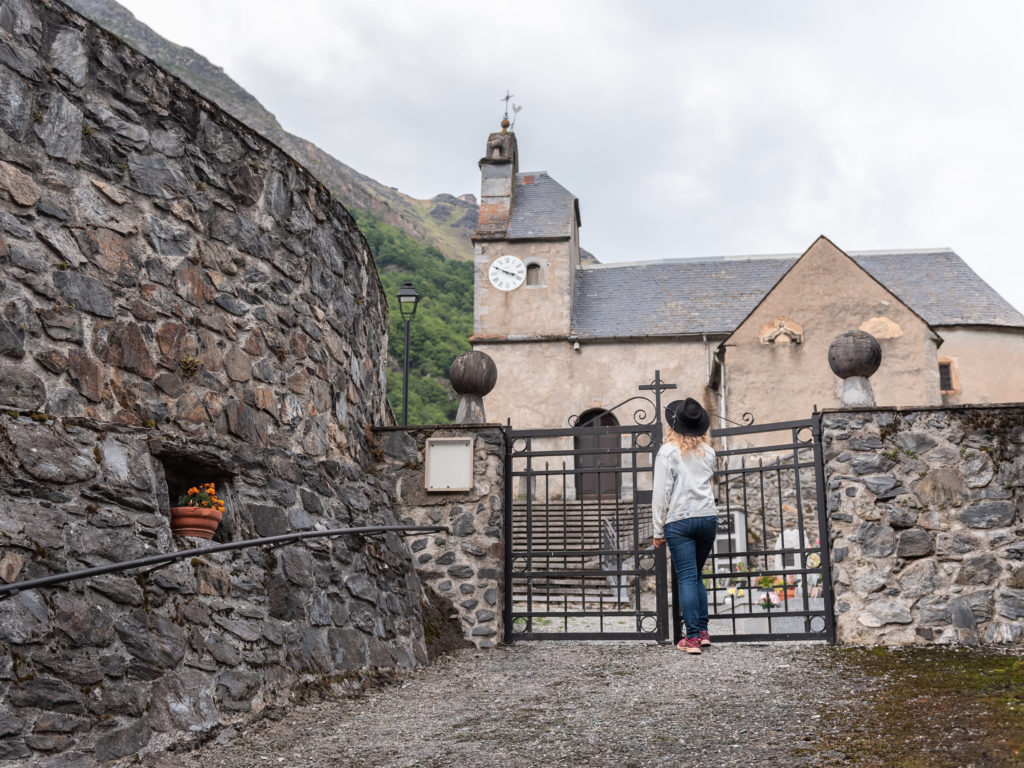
{"x": 684, "y": 512}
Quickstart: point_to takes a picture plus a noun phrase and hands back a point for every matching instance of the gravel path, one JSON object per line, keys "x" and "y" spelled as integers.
{"x": 566, "y": 704}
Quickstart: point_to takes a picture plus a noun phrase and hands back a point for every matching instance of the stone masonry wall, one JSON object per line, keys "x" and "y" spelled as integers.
{"x": 466, "y": 566}
{"x": 179, "y": 303}
{"x": 162, "y": 265}
{"x": 111, "y": 665}
{"x": 926, "y": 510}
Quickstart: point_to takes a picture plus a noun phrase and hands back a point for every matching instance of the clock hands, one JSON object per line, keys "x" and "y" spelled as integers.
{"x": 514, "y": 274}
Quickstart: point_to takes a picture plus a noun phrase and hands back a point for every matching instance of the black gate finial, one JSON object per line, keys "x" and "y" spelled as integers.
{"x": 657, "y": 387}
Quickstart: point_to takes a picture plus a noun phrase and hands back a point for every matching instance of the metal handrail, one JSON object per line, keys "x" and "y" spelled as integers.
{"x": 166, "y": 558}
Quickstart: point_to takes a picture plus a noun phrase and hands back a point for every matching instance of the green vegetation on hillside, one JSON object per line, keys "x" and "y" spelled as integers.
{"x": 442, "y": 326}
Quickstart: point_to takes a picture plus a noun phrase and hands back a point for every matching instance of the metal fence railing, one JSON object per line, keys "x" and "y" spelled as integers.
{"x": 163, "y": 559}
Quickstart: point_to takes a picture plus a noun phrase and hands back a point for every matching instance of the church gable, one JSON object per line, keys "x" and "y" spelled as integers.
{"x": 825, "y": 290}
{"x": 775, "y": 361}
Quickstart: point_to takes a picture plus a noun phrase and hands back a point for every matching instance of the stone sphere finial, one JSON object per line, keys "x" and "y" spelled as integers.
{"x": 854, "y": 353}
{"x": 473, "y": 373}
{"x": 853, "y": 356}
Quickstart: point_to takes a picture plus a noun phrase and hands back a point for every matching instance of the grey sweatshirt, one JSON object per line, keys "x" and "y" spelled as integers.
{"x": 682, "y": 486}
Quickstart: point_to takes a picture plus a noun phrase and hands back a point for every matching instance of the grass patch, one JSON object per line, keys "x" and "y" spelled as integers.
{"x": 934, "y": 707}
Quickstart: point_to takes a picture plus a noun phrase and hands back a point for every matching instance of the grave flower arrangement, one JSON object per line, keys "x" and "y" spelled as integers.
{"x": 778, "y": 586}
{"x": 738, "y": 578}
{"x": 814, "y": 579}
{"x": 768, "y": 581}
{"x": 198, "y": 513}
{"x": 734, "y": 592}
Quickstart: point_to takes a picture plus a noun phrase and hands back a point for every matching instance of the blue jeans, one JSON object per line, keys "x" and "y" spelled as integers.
{"x": 690, "y": 541}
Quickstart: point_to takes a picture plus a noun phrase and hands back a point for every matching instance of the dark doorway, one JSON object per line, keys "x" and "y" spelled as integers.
{"x": 597, "y": 475}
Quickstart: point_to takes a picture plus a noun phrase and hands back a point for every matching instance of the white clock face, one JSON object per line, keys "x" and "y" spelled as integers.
{"x": 507, "y": 273}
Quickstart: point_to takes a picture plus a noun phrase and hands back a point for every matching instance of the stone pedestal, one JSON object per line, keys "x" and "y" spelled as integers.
{"x": 857, "y": 392}
{"x": 471, "y": 410}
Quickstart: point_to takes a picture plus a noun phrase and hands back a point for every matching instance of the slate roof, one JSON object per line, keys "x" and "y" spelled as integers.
{"x": 542, "y": 208}
{"x": 713, "y": 296}
{"x": 941, "y": 288}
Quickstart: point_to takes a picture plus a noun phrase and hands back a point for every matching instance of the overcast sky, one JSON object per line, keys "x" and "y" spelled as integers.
{"x": 686, "y": 129}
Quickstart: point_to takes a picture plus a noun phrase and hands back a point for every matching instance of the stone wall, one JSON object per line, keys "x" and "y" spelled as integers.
{"x": 465, "y": 567}
{"x": 142, "y": 228}
{"x": 925, "y": 509}
{"x": 179, "y": 303}
{"x": 125, "y": 662}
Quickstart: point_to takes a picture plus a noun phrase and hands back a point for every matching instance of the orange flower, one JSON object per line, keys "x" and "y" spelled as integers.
{"x": 193, "y": 490}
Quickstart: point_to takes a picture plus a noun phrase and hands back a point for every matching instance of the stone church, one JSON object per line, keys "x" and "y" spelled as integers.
{"x": 745, "y": 334}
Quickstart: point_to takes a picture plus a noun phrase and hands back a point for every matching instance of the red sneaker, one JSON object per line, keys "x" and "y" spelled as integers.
{"x": 705, "y": 638}
{"x": 689, "y": 644}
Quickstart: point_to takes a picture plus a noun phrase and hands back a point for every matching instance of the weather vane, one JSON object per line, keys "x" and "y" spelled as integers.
{"x": 515, "y": 109}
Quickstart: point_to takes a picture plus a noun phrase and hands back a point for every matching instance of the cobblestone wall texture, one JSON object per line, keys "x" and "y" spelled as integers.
{"x": 179, "y": 303}
{"x": 926, "y": 510}
{"x": 466, "y": 566}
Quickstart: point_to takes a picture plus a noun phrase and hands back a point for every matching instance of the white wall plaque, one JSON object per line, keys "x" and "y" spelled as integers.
{"x": 449, "y": 464}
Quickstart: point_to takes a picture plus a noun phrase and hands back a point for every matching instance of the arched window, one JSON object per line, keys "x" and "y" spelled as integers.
{"x": 533, "y": 274}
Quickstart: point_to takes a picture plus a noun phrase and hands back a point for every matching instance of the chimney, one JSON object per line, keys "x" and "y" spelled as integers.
{"x": 498, "y": 169}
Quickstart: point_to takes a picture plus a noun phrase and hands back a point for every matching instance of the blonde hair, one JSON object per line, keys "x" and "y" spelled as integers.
{"x": 686, "y": 443}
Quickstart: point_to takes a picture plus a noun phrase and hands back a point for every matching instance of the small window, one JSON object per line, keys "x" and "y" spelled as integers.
{"x": 949, "y": 376}
{"x": 945, "y": 377}
{"x": 533, "y": 274}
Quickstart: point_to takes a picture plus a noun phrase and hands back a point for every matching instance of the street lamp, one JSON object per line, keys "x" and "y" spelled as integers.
{"x": 407, "y": 301}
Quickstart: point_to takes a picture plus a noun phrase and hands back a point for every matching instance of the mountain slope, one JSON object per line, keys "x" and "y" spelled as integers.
{"x": 445, "y": 222}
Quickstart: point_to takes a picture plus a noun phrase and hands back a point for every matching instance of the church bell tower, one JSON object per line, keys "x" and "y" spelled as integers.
{"x": 526, "y": 249}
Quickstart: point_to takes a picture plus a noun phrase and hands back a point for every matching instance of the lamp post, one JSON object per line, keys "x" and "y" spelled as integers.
{"x": 407, "y": 301}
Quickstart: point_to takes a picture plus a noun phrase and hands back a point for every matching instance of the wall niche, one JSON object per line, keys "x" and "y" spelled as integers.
{"x": 183, "y": 469}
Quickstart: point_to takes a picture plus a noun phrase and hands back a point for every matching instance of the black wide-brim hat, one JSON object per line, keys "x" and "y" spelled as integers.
{"x": 687, "y": 417}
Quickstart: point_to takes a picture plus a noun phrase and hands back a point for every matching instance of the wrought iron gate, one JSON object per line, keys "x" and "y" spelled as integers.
{"x": 769, "y": 576}
{"x": 579, "y": 563}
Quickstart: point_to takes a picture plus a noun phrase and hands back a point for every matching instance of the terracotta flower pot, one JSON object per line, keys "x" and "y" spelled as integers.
{"x": 195, "y": 521}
